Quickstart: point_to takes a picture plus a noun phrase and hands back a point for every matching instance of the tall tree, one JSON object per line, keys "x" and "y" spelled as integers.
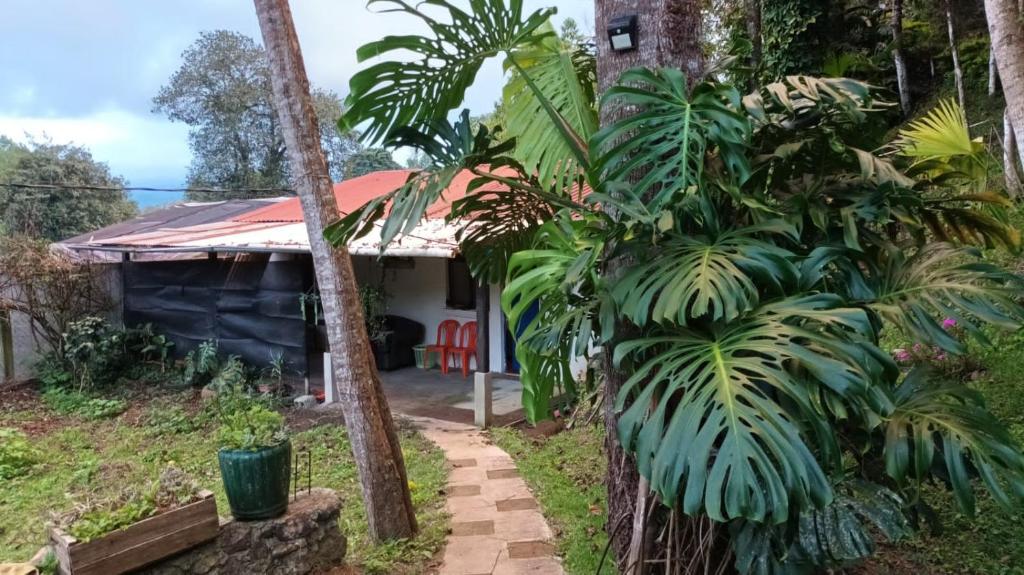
{"x": 369, "y": 160}
{"x": 368, "y": 419}
{"x": 898, "y": 58}
{"x": 223, "y": 93}
{"x": 958, "y": 71}
{"x": 1006, "y": 29}
{"x": 670, "y": 37}
{"x": 58, "y": 214}
{"x": 753, "y": 19}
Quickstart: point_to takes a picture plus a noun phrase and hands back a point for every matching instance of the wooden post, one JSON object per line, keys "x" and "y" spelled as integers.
{"x": 483, "y": 387}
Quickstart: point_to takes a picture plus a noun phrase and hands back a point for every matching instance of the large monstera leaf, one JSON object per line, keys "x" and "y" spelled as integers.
{"x": 721, "y": 419}
{"x": 664, "y": 143}
{"x": 688, "y": 277}
{"x": 556, "y": 72}
{"x": 835, "y": 535}
{"x": 398, "y": 93}
{"x": 937, "y": 421}
{"x": 558, "y": 283}
{"x": 915, "y": 292}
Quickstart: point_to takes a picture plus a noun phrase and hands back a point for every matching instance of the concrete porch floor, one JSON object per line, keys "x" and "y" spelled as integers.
{"x": 430, "y": 393}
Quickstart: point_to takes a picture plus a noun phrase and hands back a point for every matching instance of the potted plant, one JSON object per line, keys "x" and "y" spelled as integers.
{"x": 136, "y": 528}
{"x": 255, "y": 462}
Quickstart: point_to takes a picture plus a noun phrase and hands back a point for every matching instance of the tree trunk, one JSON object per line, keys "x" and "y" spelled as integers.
{"x": 993, "y": 72}
{"x": 897, "y": 56}
{"x": 669, "y": 36}
{"x": 754, "y": 31}
{"x": 1010, "y": 158}
{"x": 1007, "y": 33}
{"x": 371, "y": 429}
{"x": 958, "y": 72}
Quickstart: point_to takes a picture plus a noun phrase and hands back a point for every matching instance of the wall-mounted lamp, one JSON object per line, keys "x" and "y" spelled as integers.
{"x": 622, "y": 33}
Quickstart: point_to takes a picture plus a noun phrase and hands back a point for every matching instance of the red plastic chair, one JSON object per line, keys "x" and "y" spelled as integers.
{"x": 446, "y": 331}
{"x": 466, "y": 347}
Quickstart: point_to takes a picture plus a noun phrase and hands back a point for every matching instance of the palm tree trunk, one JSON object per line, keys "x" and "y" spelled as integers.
{"x": 371, "y": 429}
{"x": 670, "y": 36}
{"x": 1007, "y": 33}
{"x": 897, "y": 56}
{"x": 1010, "y": 158}
{"x": 958, "y": 72}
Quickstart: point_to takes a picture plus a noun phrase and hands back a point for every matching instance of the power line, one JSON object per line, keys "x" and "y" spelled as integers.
{"x": 26, "y": 186}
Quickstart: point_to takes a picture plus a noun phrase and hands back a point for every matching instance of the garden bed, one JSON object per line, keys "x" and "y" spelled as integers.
{"x": 97, "y": 457}
{"x": 140, "y": 544}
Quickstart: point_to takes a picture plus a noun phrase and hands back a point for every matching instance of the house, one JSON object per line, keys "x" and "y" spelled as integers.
{"x": 240, "y": 272}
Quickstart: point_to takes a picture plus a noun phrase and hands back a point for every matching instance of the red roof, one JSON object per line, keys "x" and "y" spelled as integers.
{"x": 353, "y": 193}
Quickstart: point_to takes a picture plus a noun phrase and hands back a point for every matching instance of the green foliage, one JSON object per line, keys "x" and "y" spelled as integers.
{"x": 424, "y": 90}
{"x": 375, "y": 309}
{"x": 55, "y": 215}
{"x": 738, "y": 257}
{"x": 368, "y": 160}
{"x": 94, "y": 354}
{"x": 201, "y": 364}
{"x": 222, "y": 92}
{"x": 251, "y": 429}
{"x": 96, "y": 523}
{"x": 787, "y": 35}
{"x": 165, "y": 418}
{"x": 17, "y": 455}
{"x": 74, "y": 402}
{"x": 566, "y": 473}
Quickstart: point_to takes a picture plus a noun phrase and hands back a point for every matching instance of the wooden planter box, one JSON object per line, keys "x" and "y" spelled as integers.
{"x": 141, "y": 543}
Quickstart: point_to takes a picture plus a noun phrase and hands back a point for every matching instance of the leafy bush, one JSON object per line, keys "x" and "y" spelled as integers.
{"x": 71, "y": 402}
{"x": 93, "y": 353}
{"x": 16, "y": 454}
{"x": 251, "y": 429}
{"x": 169, "y": 419}
{"x": 233, "y": 374}
{"x": 201, "y": 364}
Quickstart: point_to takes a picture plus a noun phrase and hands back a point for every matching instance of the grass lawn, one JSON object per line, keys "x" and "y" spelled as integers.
{"x": 82, "y": 458}
{"x": 566, "y": 474}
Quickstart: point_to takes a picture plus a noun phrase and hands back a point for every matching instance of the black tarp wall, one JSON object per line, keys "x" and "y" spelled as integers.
{"x": 249, "y": 305}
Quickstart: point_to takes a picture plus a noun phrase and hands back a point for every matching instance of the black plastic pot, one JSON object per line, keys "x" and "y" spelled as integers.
{"x": 257, "y": 482}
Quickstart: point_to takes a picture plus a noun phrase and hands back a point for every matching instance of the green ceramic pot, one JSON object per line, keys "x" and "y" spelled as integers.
{"x": 257, "y": 482}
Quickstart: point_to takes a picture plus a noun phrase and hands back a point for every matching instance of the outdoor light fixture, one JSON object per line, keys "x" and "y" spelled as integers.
{"x": 622, "y": 33}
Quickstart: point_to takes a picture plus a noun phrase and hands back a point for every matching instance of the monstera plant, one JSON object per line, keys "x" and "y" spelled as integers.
{"x": 739, "y": 255}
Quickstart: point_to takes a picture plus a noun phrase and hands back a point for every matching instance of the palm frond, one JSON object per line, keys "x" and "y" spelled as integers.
{"x": 915, "y": 292}
{"x": 936, "y": 421}
{"x": 721, "y": 419}
{"x": 397, "y": 93}
{"x": 941, "y": 133}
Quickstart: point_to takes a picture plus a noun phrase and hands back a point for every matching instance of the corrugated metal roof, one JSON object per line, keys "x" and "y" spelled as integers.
{"x": 352, "y": 194}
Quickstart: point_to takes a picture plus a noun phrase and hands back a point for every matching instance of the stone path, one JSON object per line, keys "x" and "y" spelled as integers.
{"x": 496, "y": 525}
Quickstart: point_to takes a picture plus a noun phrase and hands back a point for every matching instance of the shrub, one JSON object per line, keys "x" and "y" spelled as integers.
{"x": 169, "y": 419}
{"x": 201, "y": 364}
{"x": 251, "y": 429}
{"x": 17, "y": 455}
{"x": 71, "y": 402}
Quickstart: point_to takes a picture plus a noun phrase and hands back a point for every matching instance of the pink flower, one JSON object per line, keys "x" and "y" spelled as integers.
{"x": 948, "y": 323}
{"x": 901, "y": 355}
{"x": 941, "y": 357}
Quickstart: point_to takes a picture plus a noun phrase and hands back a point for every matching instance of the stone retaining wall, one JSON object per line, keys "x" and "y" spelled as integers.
{"x": 306, "y": 539}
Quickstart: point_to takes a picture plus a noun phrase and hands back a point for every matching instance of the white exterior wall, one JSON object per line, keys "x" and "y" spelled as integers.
{"x": 418, "y": 293}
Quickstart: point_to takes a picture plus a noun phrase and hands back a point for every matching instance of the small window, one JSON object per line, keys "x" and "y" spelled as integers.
{"x": 461, "y": 287}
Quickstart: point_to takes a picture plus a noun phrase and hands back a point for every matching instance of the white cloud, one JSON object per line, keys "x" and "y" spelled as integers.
{"x": 141, "y": 148}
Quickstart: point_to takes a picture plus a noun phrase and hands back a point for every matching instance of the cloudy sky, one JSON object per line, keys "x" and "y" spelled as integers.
{"x": 86, "y": 72}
